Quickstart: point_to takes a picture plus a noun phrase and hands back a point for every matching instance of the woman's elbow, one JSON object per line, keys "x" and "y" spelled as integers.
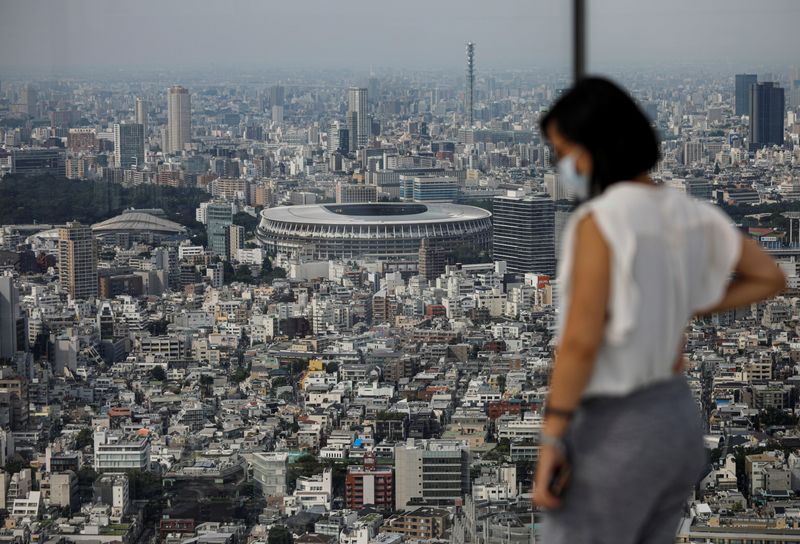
{"x": 580, "y": 350}
{"x": 778, "y": 281}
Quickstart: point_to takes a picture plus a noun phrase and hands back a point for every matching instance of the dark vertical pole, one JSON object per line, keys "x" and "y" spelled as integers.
{"x": 578, "y": 39}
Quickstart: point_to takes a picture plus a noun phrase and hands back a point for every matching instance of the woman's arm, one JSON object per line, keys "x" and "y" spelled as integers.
{"x": 585, "y": 323}
{"x": 577, "y": 349}
{"x": 757, "y": 277}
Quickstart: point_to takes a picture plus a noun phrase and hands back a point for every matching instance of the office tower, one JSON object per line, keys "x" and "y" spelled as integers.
{"x": 29, "y": 99}
{"x": 524, "y": 232}
{"x": 219, "y": 219}
{"x": 235, "y": 241}
{"x": 767, "y": 104}
{"x": 128, "y": 145}
{"x": 469, "y": 95}
{"x": 142, "y": 108}
{"x": 431, "y": 472}
{"x": 431, "y": 260}
{"x": 372, "y": 89}
{"x": 277, "y": 114}
{"x": 352, "y": 131}
{"x": 9, "y": 317}
{"x": 179, "y": 119}
{"x": 77, "y": 261}
{"x": 276, "y": 96}
{"x": 338, "y": 138}
{"x": 105, "y": 321}
{"x": 357, "y": 104}
{"x": 742, "y": 97}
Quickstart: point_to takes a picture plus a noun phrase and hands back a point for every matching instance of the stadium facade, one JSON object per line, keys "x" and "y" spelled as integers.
{"x": 381, "y": 230}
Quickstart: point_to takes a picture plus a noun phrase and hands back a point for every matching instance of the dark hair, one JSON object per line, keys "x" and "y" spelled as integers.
{"x": 604, "y": 119}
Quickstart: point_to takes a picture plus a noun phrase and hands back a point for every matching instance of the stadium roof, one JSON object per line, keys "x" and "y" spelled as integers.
{"x": 375, "y": 213}
{"x": 138, "y": 222}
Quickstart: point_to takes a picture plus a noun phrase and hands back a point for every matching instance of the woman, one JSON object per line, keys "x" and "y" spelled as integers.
{"x": 638, "y": 261}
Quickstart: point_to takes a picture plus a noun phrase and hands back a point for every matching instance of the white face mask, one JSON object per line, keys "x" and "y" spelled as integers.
{"x": 576, "y": 184}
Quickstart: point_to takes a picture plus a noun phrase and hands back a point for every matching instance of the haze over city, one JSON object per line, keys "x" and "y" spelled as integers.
{"x": 357, "y": 34}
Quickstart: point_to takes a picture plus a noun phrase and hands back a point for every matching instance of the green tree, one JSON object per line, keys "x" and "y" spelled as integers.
{"x": 243, "y": 274}
{"x": 246, "y": 220}
{"x": 278, "y": 534}
{"x": 85, "y": 438}
{"x": 158, "y": 374}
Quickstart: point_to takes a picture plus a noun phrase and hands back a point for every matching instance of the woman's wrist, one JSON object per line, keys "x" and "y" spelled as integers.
{"x": 553, "y": 441}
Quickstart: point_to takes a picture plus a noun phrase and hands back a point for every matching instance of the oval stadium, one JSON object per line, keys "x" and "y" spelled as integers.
{"x": 334, "y": 231}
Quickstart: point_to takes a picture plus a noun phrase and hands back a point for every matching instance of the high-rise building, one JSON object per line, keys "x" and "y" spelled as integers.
{"x": 338, "y": 138}
{"x": 352, "y": 131}
{"x": 142, "y": 109}
{"x": 179, "y": 118}
{"x": 469, "y": 94}
{"x": 767, "y": 108}
{"x": 432, "y": 472}
{"x": 9, "y": 317}
{"x": 128, "y": 145}
{"x": 277, "y": 114}
{"x": 77, "y": 261}
{"x": 277, "y": 95}
{"x": 742, "y": 93}
{"x": 235, "y": 241}
{"x": 524, "y": 232}
{"x": 357, "y": 104}
{"x": 431, "y": 260}
{"x": 29, "y": 99}
{"x": 219, "y": 218}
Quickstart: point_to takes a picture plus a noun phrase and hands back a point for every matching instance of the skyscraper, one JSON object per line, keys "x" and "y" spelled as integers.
{"x": 469, "y": 95}
{"x": 524, "y": 232}
{"x": 235, "y": 241}
{"x": 767, "y": 103}
{"x": 77, "y": 261}
{"x": 142, "y": 109}
{"x": 357, "y": 104}
{"x": 128, "y": 145}
{"x": 338, "y": 136}
{"x": 220, "y": 218}
{"x": 29, "y": 99}
{"x": 352, "y": 131}
{"x": 179, "y": 118}
{"x": 742, "y": 97}
{"x": 276, "y": 95}
{"x": 9, "y": 316}
{"x": 431, "y": 260}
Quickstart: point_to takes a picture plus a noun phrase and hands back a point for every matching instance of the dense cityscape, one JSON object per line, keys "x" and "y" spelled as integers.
{"x": 321, "y": 308}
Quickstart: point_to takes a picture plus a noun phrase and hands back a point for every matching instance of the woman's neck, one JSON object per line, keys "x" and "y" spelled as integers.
{"x": 643, "y": 178}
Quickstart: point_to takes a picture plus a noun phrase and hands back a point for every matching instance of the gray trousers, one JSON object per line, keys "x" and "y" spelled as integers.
{"x": 634, "y": 461}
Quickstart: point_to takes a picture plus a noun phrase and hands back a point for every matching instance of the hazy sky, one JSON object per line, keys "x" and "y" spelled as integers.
{"x": 392, "y": 33}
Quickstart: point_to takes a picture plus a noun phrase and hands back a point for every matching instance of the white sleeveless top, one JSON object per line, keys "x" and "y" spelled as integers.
{"x": 671, "y": 256}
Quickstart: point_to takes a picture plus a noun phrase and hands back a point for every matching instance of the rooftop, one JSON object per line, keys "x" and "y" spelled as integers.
{"x": 373, "y": 213}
